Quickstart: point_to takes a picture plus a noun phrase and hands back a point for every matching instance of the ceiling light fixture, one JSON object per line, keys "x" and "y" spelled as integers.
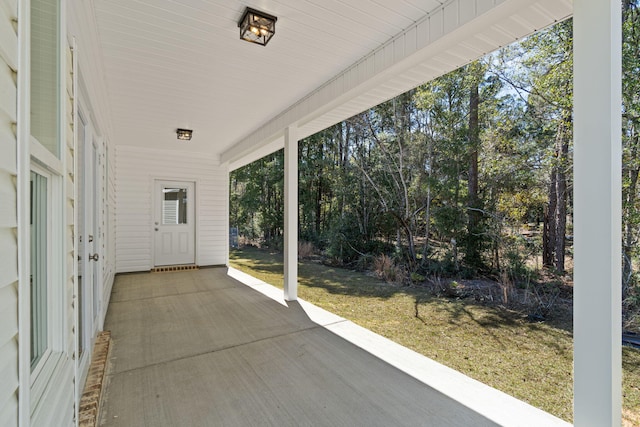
{"x": 184, "y": 134}
{"x": 257, "y": 27}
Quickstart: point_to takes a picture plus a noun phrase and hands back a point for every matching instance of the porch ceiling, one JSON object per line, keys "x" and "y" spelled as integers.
{"x": 180, "y": 63}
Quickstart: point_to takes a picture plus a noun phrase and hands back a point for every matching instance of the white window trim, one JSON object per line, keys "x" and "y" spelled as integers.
{"x": 43, "y": 358}
{"x": 44, "y": 157}
{"x": 45, "y": 369}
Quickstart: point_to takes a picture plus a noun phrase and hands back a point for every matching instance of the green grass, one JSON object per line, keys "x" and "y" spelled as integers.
{"x": 530, "y": 361}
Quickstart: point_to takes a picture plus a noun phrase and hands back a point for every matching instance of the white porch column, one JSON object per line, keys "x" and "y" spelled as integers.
{"x": 291, "y": 214}
{"x": 598, "y": 212}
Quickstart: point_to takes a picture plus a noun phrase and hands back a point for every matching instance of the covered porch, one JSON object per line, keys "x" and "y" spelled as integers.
{"x": 167, "y": 66}
{"x": 217, "y": 347}
{"x": 93, "y": 95}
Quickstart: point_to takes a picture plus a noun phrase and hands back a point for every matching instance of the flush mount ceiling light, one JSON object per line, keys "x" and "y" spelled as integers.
{"x": 257, "y": 27}
{"x": 184, "y": 134}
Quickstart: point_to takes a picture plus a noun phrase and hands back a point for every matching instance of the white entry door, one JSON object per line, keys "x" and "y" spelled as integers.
{"x": 174, "y": 219}
{"x": 90, "y": 235}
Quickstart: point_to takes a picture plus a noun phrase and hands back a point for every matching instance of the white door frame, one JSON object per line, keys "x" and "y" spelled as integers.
{"x": 155, "y": 220}
{"x": 94, "y": 158}
{"x": 90, "y": 200}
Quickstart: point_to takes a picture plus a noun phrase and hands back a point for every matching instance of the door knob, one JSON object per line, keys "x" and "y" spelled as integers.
{"x": 94, "y": 257}
{"x": 156, "y": 229}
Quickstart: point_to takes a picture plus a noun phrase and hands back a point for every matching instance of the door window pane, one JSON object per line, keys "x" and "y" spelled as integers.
{"x": 174, "y": 206}
{"x": 39, "y": 279}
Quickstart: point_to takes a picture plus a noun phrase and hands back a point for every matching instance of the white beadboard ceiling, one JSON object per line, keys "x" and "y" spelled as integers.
{"x": 180, "y": 63}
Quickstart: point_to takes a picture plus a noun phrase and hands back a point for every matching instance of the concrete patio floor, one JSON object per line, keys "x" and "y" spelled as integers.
{"x": 200, "y": 348}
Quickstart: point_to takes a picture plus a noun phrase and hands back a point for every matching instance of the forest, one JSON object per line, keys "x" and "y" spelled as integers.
{"x": 467, "y": 176}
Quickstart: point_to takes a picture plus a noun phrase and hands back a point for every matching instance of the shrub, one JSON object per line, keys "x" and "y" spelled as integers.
{"x": 346, "y": 242}
{"x": 417, "y": 278}
{"x": 306, "y": 250}
{"x": 382, "y": 264}
{"x": 385, "y": 268}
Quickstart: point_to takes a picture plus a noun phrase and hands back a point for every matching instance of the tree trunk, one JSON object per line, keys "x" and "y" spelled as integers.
{"x": 427, "y": 212}
{"x": 555, "y": 219}
{"x": 562, "y": 149}
{"x": 411, "y": 247}
{"x": 427, "y": 226}
{"x": 630, "y": 193}
{"x": 472, "y": 256}
{"x": 549, "y": 228}
{"x": 318, "y": 207}
{"x": 474, "y": 133}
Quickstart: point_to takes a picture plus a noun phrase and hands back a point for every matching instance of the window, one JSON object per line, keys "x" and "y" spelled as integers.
{"x": 45, "y": 75}
{"x": 47, "y": 302}
{"x": 174, "y": 206}
{"x": 40, "y": 199}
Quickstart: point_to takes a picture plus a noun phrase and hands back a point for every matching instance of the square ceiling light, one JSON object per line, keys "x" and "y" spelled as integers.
{"x": 184, "y": 134}
{"x": 257, "y": 27}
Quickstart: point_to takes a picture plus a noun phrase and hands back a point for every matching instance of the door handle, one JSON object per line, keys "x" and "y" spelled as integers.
{"x": 94, "y": 257}
{"x": 90, "y": 238}
{"x": 156, "y": 228}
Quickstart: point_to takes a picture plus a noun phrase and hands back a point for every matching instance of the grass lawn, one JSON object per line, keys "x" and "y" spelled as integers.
{"x": 531, "y": 361}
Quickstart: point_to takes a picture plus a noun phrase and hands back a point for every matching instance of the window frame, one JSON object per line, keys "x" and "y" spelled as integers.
{"x": 44, "y": 163}
{"x": 35, "y": 370}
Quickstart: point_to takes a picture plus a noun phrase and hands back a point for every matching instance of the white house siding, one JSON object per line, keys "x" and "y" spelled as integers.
{"x": 108, "y": 226}
{"x": 8, "y": 216}
{"x": 136, "y": 170}
{"x": 82, "y": 25}
{"x": 69, "y": 152}
{"x": 89, "y": 78}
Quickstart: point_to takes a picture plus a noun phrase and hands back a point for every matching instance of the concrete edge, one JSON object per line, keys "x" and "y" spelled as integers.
{"x": 487, "y": 401}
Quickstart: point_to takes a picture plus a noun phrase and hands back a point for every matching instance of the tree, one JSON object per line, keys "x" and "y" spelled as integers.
{"x": 446, "y": 102}
{"x": 544, "y": 80}
{"x": 392, "y": 176}
{"x": 474, "y": 239}
{"x": 631, "y": 150}
{"x": 257, "y": 199}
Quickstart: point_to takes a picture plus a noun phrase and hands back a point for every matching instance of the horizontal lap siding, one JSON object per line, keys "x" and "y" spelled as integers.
{"x": 69, "y": 178}
{"x": 8, "y": 217}
{"x": 9, "y": 349}
{"x": 109, "y": 225}
{"x": 135, "y": 172}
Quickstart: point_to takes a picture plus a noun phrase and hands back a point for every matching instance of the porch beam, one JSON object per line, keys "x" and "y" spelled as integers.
{"x": 598, "y": 212}
{"x": 291, "y": 213}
